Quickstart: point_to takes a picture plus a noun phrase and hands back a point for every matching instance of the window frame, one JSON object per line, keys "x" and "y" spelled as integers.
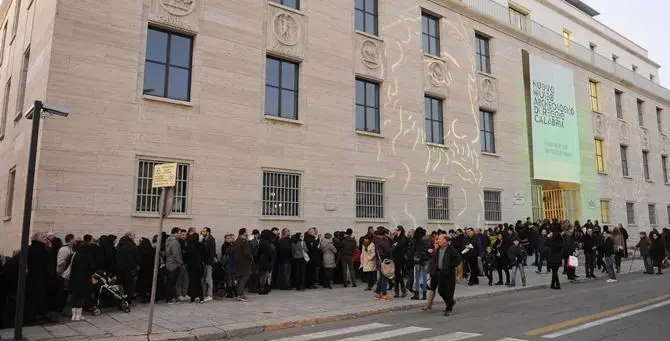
{"x": 3, "y": 42}
{"x": 604, "y": 207}
{"x": 645, "y": 165}
{"x": 487, "y": 211}
{"x": 365, "y": 13}
{"x": 522, "y": 18}
{"x": 360, "y": 206}
{"x": 435, "y": 213}
{"x": 282, "y": 2}
{"x": 664, "y": 167}
{"x": 484, "y": 132}
{"x": 364, "y": 105}
{"x": 15, "y": 22}
{"x": 659, "y": 119}
{"x": 600, "y": 155}
{"x": 9, "y": 194}
{"x": 667, "y": 209}
{"x": 428, "y": 35}
{"x": 5, "y": 108}
{"x": 280, "y": 88}
{"x": 640, "y": 112}
{"x": 630, "y": 213}
{"x": 623, "y": 150}
{"x": 154, "y": 194}
{"x": 265, "y": 213}
{"x": 429, "y": 121}
{"x": 651, "y": 209}
{"x": 23, "y": 84}
{"x": 618, "y": 102}
{"x": 483, "y": 53}
{"x": 168, "y": 65}
{"x": 594, "y": 95}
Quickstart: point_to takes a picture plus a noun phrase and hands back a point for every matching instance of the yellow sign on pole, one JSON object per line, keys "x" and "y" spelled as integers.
{"x": 165, "y": 175}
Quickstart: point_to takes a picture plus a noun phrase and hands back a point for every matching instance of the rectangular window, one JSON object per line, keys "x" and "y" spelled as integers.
{"x": 640, "y": 112}
{"x": 518, "y": 19}
{"x": 659, "y": 119}
{"x": 430, "y": 29}
{"x": 167, "y": 67}
{"x": 21, "y": 97}
{"x": 618, "y": 100}
{"x": 146, "y": 198}
{"x": 2, "y": 43}
{"x": 288, "y": 3}
{"x": 281, "y": 194}
{"x": 5, "y": 105}
{"x": 281, "y": 88}
{"x": 482, "y": 53}
{"x": 567, "y": 39}
{"x": 668, "y": 211}
{"x": 432, "y": 108}
{"x": 367, "y": 106}
{"x": 645, "y": 164}
{"x": 624, "y": 160}
{"x": 9, "y": 197}
{"x": 369, "y": 199}
{"x": 15, "y": 23}
{"x": 604, "y": 211}
{"x": 438, "y": 202}
{"x": 594, "y": 92}
{"x": 652, "y": 214}
{"x": 630, "y": 213}
{"x": 600, "y": 158}
{"x": 664, "y": 165}
{"x": 366, "y": 16}
{"x": 487, "y": 135}
{"x": 492, "y": 206}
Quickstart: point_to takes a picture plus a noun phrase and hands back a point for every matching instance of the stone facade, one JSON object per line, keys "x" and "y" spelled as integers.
{"x": 90, "y": 56}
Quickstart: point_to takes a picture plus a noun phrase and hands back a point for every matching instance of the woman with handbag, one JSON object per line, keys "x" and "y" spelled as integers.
{"x": 368, "y": 262}
{"x": 384, "y": 250}
{"x": 619, "y": 249}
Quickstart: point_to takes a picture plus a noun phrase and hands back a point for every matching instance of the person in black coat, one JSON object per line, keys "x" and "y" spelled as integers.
{"x": 36, "y": 279}
{"x": 589, "y": 245}
{"x": 448, "y": 258}
{"x": 145, "y": 273}
{"x": 83, "y": 266}
{"x": 284, "y": 258}
{"x": 400, "y": 245}
{"x": 127, "y": 264}
{"x": 265, "y": 256}
{"x": 555, "y": 244}
{"x": 657, "y": 251}
{"x": 193, "y": 258}
{"x": 8, "y": 282}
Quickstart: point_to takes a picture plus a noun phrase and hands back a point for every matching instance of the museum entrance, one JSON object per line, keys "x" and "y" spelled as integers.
{"x": 555, "y": 200}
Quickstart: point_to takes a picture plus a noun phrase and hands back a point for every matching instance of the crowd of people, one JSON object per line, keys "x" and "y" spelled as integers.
{"x": 390, "y": 262}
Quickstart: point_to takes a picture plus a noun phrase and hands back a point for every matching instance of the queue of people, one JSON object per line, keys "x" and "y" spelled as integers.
{"x": 192, "y": 268}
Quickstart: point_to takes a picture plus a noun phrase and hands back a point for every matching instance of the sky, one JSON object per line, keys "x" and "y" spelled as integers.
{"x": 645, "y": 22}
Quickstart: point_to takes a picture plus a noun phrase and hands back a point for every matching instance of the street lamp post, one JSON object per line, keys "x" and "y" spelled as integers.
{"x": 35, "y": 114}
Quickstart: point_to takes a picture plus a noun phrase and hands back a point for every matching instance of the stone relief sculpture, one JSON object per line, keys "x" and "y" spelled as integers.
{"x": 599, "y": 124}
{"x": 370, "y": 54}
{"x": 488, "y": 90}
{"x": 437, "y": 73}
{"x": 286, "y": 29}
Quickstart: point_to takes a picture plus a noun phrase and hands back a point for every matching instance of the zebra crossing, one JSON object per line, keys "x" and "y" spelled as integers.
{"x": 382, "y": 331}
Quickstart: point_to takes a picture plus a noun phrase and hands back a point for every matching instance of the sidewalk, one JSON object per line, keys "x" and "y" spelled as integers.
{"x": 227, "y": 318}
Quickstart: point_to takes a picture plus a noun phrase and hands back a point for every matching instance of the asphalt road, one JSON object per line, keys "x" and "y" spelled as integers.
{"x": 635, "y": 308}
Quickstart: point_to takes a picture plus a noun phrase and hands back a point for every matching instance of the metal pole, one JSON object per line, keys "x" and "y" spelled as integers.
{"x": 162, "y": 210}
{"x": 27, "y": 214}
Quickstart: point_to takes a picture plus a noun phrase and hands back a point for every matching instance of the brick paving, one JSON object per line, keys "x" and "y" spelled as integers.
{"x": 224, "y": 318}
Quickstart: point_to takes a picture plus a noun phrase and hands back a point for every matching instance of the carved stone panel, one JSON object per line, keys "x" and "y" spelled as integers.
{"x": 487, "y": 91}
{"x": 624, "y": 132}
{"x": 645, "y": 138}
{"x": 180, "y": 14}
{"x": 436, "y": 76}
{"x": 369, "y": 56}
{"x": 664, "y": 143}
{"x": 285, "y": 32}
{"x": 598, "y": 125}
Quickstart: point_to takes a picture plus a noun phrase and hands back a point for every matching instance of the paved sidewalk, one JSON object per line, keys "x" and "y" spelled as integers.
{"x": 227, "y": 318}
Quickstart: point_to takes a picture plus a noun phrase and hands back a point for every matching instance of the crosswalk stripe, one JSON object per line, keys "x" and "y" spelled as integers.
{"x": 334, "y": 332}
{"x": 457, "y": 336}
{"x": 387, "y": 334}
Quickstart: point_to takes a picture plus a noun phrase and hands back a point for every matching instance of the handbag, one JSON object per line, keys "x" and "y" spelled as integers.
{"x": 666, "y": 263}
{"x": 387, "y": 267}
{"x": 573, "y": 262}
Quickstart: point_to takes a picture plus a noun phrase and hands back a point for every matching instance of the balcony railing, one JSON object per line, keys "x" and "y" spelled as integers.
{"x": 504, "y": 15}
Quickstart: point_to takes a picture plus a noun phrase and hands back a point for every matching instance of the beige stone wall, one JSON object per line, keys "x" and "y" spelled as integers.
{"x": 87, "y": 166}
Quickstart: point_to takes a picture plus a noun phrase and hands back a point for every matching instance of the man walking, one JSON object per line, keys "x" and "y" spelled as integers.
{"x": 448, "y": 259}
{"x": 608, "y": 253}
{"x": 244, "y": 257}
{"x": 209, "y": 258}
{"x": 590, "y": 248}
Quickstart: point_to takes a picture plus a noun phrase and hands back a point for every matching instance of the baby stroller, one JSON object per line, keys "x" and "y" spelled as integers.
{"x": 109, "y": 289}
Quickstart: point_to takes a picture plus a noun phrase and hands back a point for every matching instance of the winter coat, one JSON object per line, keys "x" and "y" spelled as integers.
{"x": 419, "y": 251}
{"x": 173, "y": 254}
{"x": 608, "y": 247}
{"x": 516, "y": 254}
{"x": 83, "y": 268}
{"x": 589, "y": 244}
{"x": 384, "y": 247}
{"x": 127, "y": 256}
{"x": 400, "y": 247}
{"x": 489, "y": 261}
{"x": 244, "y": 256}
{"x": 555, "y": 245}
{"x": 369, "y": 258}
{"x": 346, "y": 247}
{"x": 657, "y": 251}
{"x": 209, "y": 250}
{"x": 193, "y": 254}
{"x": 284, "y": 254}
{"x": 644, "y": 245}
{"x": 618, "y": 242}
{"x": 63, "y": 259}
{"x": 329, "y": 251}
{"x": 227, "y": 257}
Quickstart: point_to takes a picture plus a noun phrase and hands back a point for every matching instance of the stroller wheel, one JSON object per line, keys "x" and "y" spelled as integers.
{"x": 96, "y": 311}
{"x": 125, "y": 306}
